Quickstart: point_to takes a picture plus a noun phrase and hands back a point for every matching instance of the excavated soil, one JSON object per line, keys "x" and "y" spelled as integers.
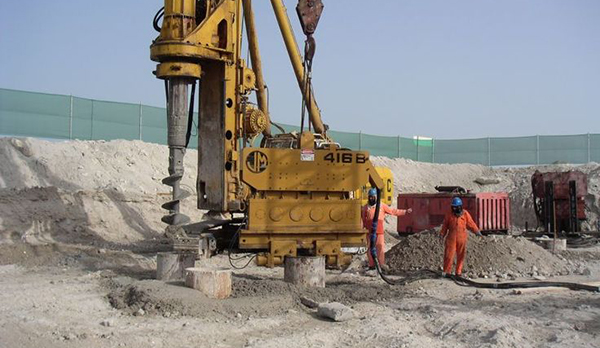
{"x": 249, "y": 292}
{"x": 500, "y": 256}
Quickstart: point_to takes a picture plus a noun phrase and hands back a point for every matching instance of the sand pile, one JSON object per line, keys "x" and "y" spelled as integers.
{"x": 104, "y": 194}
{"x": 121, "y": 165}
{"x": 499, "y": 256}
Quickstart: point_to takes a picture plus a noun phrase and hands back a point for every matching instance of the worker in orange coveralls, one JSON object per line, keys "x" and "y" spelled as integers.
{"x": 454, "y": 229}
{"x": 368, "y": 212}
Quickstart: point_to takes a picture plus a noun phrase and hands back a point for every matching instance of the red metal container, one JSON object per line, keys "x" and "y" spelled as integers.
{"x": 561, "y": 198}
{"x": 490, "y": 210}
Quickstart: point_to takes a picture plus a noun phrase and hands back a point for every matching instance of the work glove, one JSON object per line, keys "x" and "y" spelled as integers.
{"x": 478, "y": 234}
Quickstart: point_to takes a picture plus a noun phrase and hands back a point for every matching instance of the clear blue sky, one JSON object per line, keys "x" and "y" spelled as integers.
{"x": 447, "y": 69}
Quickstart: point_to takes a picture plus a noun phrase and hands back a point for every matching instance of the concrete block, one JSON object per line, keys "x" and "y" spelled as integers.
{"x": 335, "y": 311}
{"x": 214, "y": 283}
{"x": 559, "y": 244}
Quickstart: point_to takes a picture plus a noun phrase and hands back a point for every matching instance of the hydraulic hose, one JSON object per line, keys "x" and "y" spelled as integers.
{"x": 188, "y": 134}
{"x": 373, "y": 248}
{"x": 373, "y": 237}
{"x": 461, "y": 281}
{"x": 157, "y": 17}
{"x": 524, "y": 285}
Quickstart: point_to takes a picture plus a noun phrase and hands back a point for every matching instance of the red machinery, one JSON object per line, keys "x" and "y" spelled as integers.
{"x": 559, "y": 200}
{"x": 490, "y": 210}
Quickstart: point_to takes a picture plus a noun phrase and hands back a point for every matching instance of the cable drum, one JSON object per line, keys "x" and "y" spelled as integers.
{"x": 255, "y": 122}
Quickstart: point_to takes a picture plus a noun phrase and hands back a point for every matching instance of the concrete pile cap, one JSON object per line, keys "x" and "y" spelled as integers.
{"x": 213, "y": 282}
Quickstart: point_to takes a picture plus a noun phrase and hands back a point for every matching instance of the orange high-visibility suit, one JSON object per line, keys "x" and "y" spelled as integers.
{"x": 368, "y": 212}
{"x": 455, "y": 231}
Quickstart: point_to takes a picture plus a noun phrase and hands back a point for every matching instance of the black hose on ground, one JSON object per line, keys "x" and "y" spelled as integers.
{"x": 521, "y": 285}
{"x": 430, "y": 274}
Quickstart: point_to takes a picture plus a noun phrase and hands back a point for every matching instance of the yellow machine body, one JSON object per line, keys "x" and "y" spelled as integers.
{"x": 296, "y": 199}
{"x": 387, "y": 193}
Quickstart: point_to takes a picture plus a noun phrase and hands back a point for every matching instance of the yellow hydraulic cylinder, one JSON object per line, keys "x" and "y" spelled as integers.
{"x": 179, "y": 19}
{"x": 294, "y": 52}
{"x": 261, "y": 95}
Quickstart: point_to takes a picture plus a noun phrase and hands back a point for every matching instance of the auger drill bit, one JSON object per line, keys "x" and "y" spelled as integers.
{"x": 177, "y": 123}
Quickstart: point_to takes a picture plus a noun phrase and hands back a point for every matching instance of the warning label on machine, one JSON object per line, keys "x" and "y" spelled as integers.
{"x": 307, "y": 155}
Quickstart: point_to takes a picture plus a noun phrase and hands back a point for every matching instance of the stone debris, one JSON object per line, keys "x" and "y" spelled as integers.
{"x": 335, "y": 311}
{"x": 487, "y": 181}
{"x": 310, "y": 303}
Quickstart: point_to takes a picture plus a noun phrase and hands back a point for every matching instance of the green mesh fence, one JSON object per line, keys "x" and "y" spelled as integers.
{"x": 514, "y": 151}
{"x": 65, "y": 117}
{"x": 379, "y": 146}
{"x": 563, "y": 148}
{"x": 594, "y": 148}
{"x": 34, "y": 114}
{"x": 462, "y": 151}
{"x": 346, "y": 140}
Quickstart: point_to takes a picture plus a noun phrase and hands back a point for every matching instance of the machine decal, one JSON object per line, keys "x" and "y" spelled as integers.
{"x": 257, "y": 162}
{"x": 307, "y": 155}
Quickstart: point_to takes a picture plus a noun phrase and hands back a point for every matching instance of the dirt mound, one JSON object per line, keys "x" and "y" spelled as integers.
{"x": 125, "y": 166}
{"x": 104, "y": 194}
{"x": 249, "y": 293}
{"x": 500, "y": 256}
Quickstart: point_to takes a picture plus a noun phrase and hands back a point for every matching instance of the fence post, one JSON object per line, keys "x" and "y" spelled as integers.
{"x": 140, "y": 121}
{"x": 417, "y": 148}
{"x": 359, "y": 140}
{"x": 71, "y": 117}
{"x": 399, "y": 152}
{"x": 432, "y": 150}
{"x": 589, "y": 148}
{"x": 537, "y": 150}
{"x": 92, "y": 122}
{"x": 489, "y": 152}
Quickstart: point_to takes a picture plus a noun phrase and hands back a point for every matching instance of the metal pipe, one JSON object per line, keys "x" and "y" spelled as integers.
{"x": 261, "y": 95}
{"x": 294, "y": 52}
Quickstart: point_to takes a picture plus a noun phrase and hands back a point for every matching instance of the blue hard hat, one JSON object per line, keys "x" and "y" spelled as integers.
{"x": 373, "y": 192}
{"x": 456, "y": 202}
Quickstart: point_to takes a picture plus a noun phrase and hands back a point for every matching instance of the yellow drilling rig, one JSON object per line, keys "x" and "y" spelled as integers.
{"x": 295, "y": 193}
